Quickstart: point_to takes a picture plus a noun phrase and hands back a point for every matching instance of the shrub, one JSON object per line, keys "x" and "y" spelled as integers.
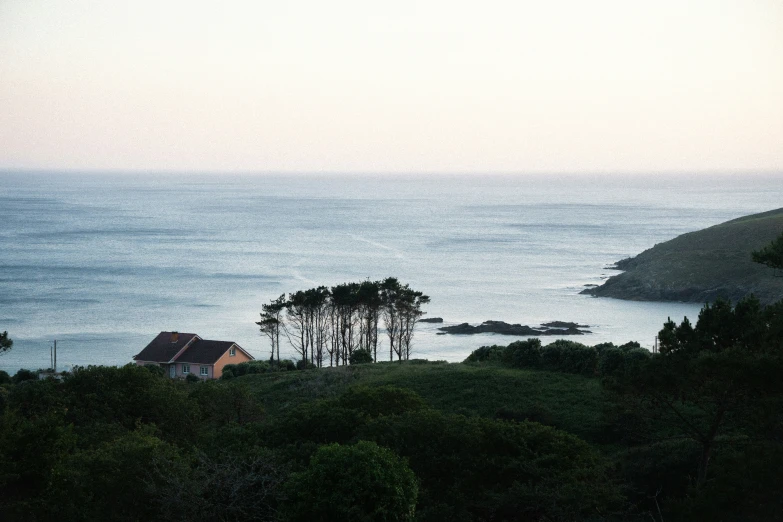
{"x": 667, "y": 466}
{"x": 610, "y": 361}
{"x": 360, "y": 357}
{"x": 635, "y": 360}
{"x": 128, "y": 396}
{"x": 88, "y": 484}
{"x": 246, "y": 368}
{"x": 523, "y": 354}
{"x": 228, "y": 372}
{"x": 629, "y": 346}
{"x": 24, "y": 375}
{"x": 473, "y": 468}
{"x": 285, "y": 365}
{"x": 365, "y": 483}
{"x": 744, "y": 487}
{"x": 155, "y": 369}
{"x": 304, "y": 365}
{"x": 251, "y": 367}
{"x": 319, "y": 421}
{"x": 192, "y": 378}
{"x": 492, "y": 353}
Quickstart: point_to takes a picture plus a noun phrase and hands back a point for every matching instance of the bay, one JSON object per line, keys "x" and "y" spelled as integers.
{"x": 102, "y": 262}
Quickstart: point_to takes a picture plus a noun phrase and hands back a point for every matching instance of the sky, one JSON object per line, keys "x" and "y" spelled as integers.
{"x": 404, "y": 86}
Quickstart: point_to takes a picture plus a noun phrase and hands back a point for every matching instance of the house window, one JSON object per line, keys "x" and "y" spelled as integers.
{"x": 232, "y": 352}
{"x": 185, "y": 368}
{"x": 205, "y": 370}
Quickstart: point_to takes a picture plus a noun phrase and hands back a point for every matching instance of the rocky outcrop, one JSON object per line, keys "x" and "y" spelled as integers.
{"x": 431, "y": 320}
{"x": 503, "y": 328}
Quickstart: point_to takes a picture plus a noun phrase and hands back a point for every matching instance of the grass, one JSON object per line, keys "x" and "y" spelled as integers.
{"x": 569, "y": 402}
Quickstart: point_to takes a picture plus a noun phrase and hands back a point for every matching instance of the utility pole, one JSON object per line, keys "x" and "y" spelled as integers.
{"x": 55, "y": 356}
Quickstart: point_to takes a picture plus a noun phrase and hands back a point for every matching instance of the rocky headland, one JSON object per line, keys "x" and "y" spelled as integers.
{"x": 702, "y": 266}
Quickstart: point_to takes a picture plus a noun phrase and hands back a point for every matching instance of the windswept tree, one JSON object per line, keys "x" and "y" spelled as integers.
{"x": 333, "y": 322}
{"x": 390, "y": 296}
{"x": 411, "y": 312}
{"x": 401, "y": 310}
{"x": 369, "y": 303}
{"x": 345, "y": 306}
{"x": 317, "y": 301}
{"x": 271, "y": 322}
{"x": 295, "y": 326}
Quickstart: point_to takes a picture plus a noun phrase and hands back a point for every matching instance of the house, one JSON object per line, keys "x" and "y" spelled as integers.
{"x": 181, "y": 354}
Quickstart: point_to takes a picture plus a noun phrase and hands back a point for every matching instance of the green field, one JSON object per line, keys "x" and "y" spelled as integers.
{"x": 570, "y": 402}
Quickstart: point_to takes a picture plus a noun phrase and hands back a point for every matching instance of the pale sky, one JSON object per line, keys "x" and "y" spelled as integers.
{"x": 403, "y": 86}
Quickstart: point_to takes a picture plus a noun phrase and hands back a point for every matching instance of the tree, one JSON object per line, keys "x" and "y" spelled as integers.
{"x": 5, "y": 343}
{"x": 271, "y": 322}
{"x": 363, "y": 482}
{"x": 709, "y": 381}
{"x": 771, "y": 255}
{"x": 401, "y": 310}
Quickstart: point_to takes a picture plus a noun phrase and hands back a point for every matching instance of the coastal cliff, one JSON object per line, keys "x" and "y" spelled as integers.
{"x": 702, "y": 266}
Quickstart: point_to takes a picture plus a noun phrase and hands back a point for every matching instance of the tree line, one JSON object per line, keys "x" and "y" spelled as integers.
{"x": 333, "y": 324}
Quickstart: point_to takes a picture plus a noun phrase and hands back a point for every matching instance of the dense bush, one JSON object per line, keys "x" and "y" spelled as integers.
{"x": 156, "y": 369}
{"x": 4, "y": 378}
{"x": 569, "y": 357}
{"x": 86, "y": 485}
{"x": 744, "y": 486}
{"x": 360, "y": 356}
{"x": 253, "y": 367}
{"x": 362, "y": 482}
{"x": 486, "y": 354}
{"x": 24, "y": 375}
{"x": 127, "y": 396}
{"x": 564, "y": 356}
{"x": 483, "y": 469}
{"x": 523, "y": 354}
{"x": 304, "y": 364}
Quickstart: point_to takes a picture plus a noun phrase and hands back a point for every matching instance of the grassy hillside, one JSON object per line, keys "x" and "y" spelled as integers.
{"x": 569, "y": 402}
{"x": 702, "y": 266}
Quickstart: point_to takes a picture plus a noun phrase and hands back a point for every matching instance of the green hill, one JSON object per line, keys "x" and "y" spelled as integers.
{"x": 702, "y": 266}
{"x": 569, "y": 402}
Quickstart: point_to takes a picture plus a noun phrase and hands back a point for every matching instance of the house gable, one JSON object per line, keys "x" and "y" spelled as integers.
{"x": 240, "y": 356}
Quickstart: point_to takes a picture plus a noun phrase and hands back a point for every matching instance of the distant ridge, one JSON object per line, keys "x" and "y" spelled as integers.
{"x": 702, "y": 266}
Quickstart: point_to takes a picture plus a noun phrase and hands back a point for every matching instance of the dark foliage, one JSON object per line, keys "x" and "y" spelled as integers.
{"x": 361, "y": 482}
{"x": 360, "y": 356}
{"x": 24, "y": 375}
{"x": 6, "y": 343}
{"x": 483, "y": 469}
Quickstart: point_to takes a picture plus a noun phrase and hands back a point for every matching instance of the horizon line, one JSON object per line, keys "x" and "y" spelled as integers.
{"x": 358, "y": 173}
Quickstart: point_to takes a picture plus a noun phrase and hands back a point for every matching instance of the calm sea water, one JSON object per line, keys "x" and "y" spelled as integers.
{"x": 102, "y": 263}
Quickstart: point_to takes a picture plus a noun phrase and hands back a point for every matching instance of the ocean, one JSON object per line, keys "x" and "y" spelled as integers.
{"x": 104, "y": 262}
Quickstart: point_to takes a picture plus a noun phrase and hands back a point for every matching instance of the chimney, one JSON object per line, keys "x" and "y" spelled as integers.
{"x": 174, "y": 337}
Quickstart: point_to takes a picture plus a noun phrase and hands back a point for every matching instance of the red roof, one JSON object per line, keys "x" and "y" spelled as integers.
{"x": 165, "y": 347}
